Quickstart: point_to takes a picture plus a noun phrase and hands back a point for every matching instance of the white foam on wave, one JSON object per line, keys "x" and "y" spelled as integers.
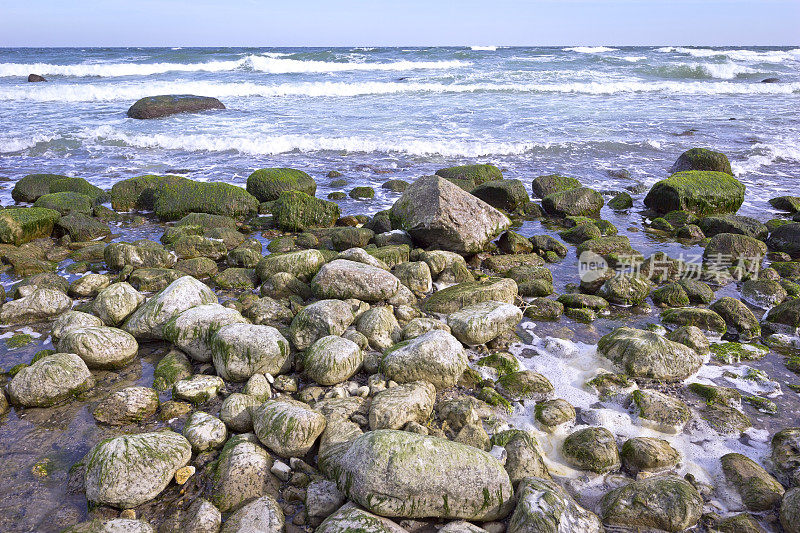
{"x": 569, "y": 369}
{"x": 121, "y": 92}
{"x": 590, "y": 49}
{"x": 762, "y": 56}
{"x": 765, "y": 154}
{"x": 271, "y": 63}
{"x": 725, "y": 71}
{"x": 483, "y": 48}
{"x": 265, "y": 144}
{"x": 10, "y": 145}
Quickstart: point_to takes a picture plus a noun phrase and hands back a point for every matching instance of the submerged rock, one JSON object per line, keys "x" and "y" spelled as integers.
{"x": 165, "y": 105}
{"x": 438, "y": 214}
{"x": 130, "y": 470}
{"x": 397, "y": 473}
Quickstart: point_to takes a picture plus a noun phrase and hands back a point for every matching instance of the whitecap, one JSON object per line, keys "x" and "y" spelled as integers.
{"x": 484, "y": 48}
{"x": 590, "y": 49}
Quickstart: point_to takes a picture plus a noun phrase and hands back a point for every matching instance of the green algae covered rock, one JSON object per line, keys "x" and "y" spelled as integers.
{"x": 50, "y": 380}
{"x": 435, "y": 356}
{"x": 402, "y": 474}
{"x": 702, "y": 159}
{"x": 331, "y": 360}
{"x": 176, "y": 199}
{"x": 267, "y": 184}
{"x": 700, "y": 192}
{"x": 592, "y": 449}
{"x": 287, "y": 427}
{"x": 33, "y": 186}
{"x": 759, "y": 490}
{"x": 192, "y": 330}
{"x": 579, "y": 201}
{"x": 461, "y": 295}
{"x": 241, "y": 350}
{"x": 648, "y": 355}
{"x": 24, "y": 224}
{"x": 662, "y": 502}
{"x": 544, "y": 507}
{"x": 139, "y": 193}
{"x": 65, "y": 202}
{"x": 507, "y": 195}
{"x": 130, "y": 470}
{"x": 298, "y": 211}
{"x": 474, "y": 174}
{"x": 543, "y": 186}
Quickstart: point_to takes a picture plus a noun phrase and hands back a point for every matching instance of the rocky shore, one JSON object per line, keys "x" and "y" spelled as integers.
{"x": 389, "y": 373}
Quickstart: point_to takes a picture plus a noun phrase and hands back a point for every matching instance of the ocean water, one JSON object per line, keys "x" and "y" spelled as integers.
{"x": 379, "y": 113}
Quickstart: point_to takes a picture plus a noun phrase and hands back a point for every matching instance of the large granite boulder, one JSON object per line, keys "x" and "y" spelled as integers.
{"x": 100, "y": 346}
{"x": 544, "y": 507}
{"x": 438, "y": 214}
{"x": 130, "y": 470}
{"x": 148, "y": 321}
{"x": 699, "y": 192}
{"x": 343, "y": 279}
{"x": 287, "y": 427}
{"x": 40, "y": 304}
{"x": 171, "y": 104}
{"x": 397, "y": 473}
{"x": 192, "y": 330}
{"x": 645, "y": 354}
{"x": 436, "y": 357}
{"x": 50, "y": 380}
{"x": 241, "y": 350}
{"x": 320, "y": 319}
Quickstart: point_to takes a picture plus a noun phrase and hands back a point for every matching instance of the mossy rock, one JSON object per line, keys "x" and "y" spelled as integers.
{"x": 31, "y": 187}
{"x": 82, "y": 228}
{"x": 139, "y": 193}
{"x": 507, "y": 195}
{"x": 65, "y": 202}
{"x": 579, "y": 201}
{"x": 543, "y": 186}
{"x": 391, "y": 255}
{"x": 702, "y": 159}
{"x": 362, "y": 193}
{"x": 174, "y": 200}
{"x": 700, "y": 192}
{"x": 457, "y": 296}
{"x": 621, "y": 201}
{"x": 337, "y": 195}
{"x": 705, "y": 319}
{"x": 593, "y": 449}
{"x": 789, "y": 204}
{"x": 267, "y": 184}
{"x": 477, "y": 174}
{"x": 503, "y": 362}
{"x": 24, "y": 224}
{"x": 734, "y": 352}
{"x": 297, "y": 211}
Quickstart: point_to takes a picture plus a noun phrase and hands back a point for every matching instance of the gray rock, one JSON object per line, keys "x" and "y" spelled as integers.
{"x": 380, "y": 327}
{"x": 303, "y": 264}
{"x": 204, "y": 432}
{"x": 50, "y": 380}
{"x": 420, "y": 326}
{"x": 241, "y": 473}
{"x": 89, "y": 285}
{"x": 483, "y": 322}
{"x": 235, "y": 411}
{"x": 593, "y": 449}
{"x": 659, "y": 411}
{"x": 544, "y": 507}
{"x": 287, "y": 427}
{"x": 394, "y": 407}
{"x": 40, "y": 304}
{"x": 142, "y": 254}
{"x": 100, "y": 346}
{"x": 322, "y": 500}
{"x": 320, "y": 319}
{"x": 241, "y": 350}
{"x": 192, "y": 330}
{"x": 646, "y": 454}
{"x": 130, "y": 470}
{"x": 523, "y": 460}
{"x": 343, "y": 279}
{"x": 202, "y": 517}
{"x": 148, "y": 321}
{"x": 647, "y": 355}
{"x": 436, "y": 357}
{"x": 416, "y": 275}
{"x": 331, "y": 360}
{"x": 351, "y": 518}
{"x": 759, "y": 490}
{"x": 197, "y": 389}
{"x": 72, "y": 320}
{"x": 263, "y": 515}
{"x": 785, "y": 456}
{"x": 127, "y": 406}
{"x": 438, "y": 214}
{"x": 790, "y": 511}
{"x": 116, "y": 302}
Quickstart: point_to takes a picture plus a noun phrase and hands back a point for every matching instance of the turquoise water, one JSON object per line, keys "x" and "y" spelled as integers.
{"x": 376, "y": 113}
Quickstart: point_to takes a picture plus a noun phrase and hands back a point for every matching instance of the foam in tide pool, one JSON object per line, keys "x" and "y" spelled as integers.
{"x": 569, "y": 366}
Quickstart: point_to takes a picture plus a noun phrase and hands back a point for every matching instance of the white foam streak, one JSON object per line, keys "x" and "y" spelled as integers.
{"x": 590, "y": 49}
{"x": 484, "y": 48}
{"x": 767, "y": 56}
{"x": 98, "y": 92}
{"x": 267, "y": 63}
{"x": 9, "y": 145}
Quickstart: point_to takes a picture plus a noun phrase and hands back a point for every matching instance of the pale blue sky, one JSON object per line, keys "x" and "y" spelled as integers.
{"x": 397, "y": 22}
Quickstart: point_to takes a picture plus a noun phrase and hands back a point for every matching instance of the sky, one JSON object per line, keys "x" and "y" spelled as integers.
{"x": 398, "y": 22}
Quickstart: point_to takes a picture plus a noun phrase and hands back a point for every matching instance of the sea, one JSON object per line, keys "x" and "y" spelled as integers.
{"x": 379, "y": 113}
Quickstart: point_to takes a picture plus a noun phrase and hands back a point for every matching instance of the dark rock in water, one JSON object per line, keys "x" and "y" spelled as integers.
{"x": 170, "y": 104}
{"x": 786, "y": 203}
{"x": 733, "y": 224}
{"x": 174, "y": 200}
{"x": 580, "y": 201}
{"x": 507, "y": 195}
{"x": 786, "y": 239}
{"x": 24, "y": 224}
{"x": 438, "y": 214}
{"x": 139, "y": 192}
{"x": 766, "y": 80}
{"x": 267, "y": 184}
{"x": 82, "y": 228}
{"x": 32, "y": 186}
{"x": 702, "y": 159}
{"x": 546, "y": 185}
{"x": 297, "y": 211}
{"x": 699, "y": 192}
{"x": 32, "y": 78}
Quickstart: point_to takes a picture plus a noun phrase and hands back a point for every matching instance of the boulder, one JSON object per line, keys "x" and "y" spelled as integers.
{"x": 263, "y": 515}
{"x": 700, "y": 192}
{"x": 130, "y": 405}
{"x": 625, "y": 289}
{"x": 72, "y": 320}
{"x": 351, "y": 517}
{"x": 171, "y": 104}
{"x": 50, "y": 380}
{"x": 593, "y": 449}
{"x": 65, "y": 202}
{"x": 240, "y": 350}
{"x": 204, "y": 432}
{"x": 116, "y": 302}
{"x": 192, "y": 330}
{"x": 130, "y": 470}
{"x": 148, "y": 321}
{"x": 660, "y": 411}
{"x": 483, "y": 322}
{"x": 287, "y": 427}
{"x": 173, "y": 367}
{"x": 759, "y": 490}
{"x": 141, "y": 254}
{"x": 380, "y": 327}
{"x": 242, "y": 473}
{"x": 435, "y": 356}
{"x": 462, "y": 295}
{"x": 645, "y": 354}
{"x": 785, "y": 456}
{"x": 317, "y": 320}
{"x": 31, "y": 187}
{"x": 544, "y": 507}
{"x": 790, "y": 511}
{"x": 438, "y": 214}
{"x": 507, "y": 195}
{"x": 40, "y": 304}
{"x": 543, "y": 186}
{"x": 738, "y": 317}
{"x": 331, "y": 360}
{"x": 733, "y": 224}
{"x": 267, "y": 184}
{"x": 702, "y": 159}
{"x": 303, "y": 264}
{"x": 176, "y": 199}
{"x": 395, "y": 407}
{"x": 100, "y": 347}
{"x": 647, "y": 454}
{"x": 298, "y": 211}
{"x": 710, "y": 322}
{"x": 343, "y": 279}
{"x": 783, "y": 318}
{"x": 139, "y": 193}
{"x": 23, "y": 224}
{"x": 661, "y": 502}
{"x": 34, "y": 78}
{"x": 474, "y": 174}
{"x": 786, "y": 239}
{"x": 397, "y": 473}
{"x": 579, "y": 201}
{"x": 727, "y": 249}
